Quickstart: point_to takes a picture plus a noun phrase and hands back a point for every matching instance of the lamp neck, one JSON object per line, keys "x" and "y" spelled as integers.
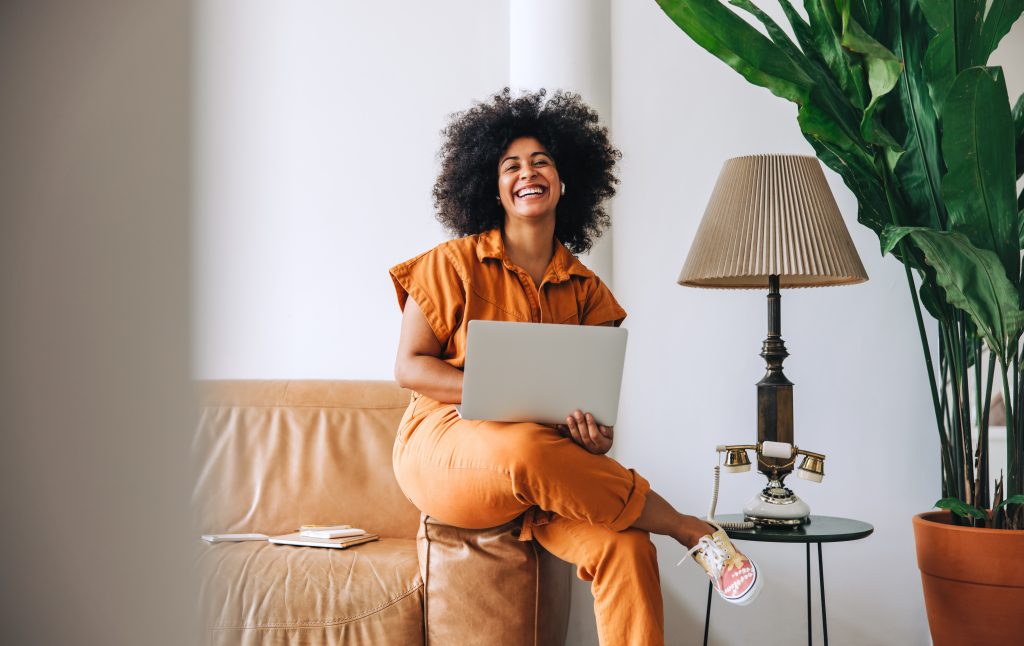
{"x": 774, "y": 391}
{"x": 773, "y": 350}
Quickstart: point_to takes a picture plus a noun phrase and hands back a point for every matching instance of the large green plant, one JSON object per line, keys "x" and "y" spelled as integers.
{"x": 896, "y": 97}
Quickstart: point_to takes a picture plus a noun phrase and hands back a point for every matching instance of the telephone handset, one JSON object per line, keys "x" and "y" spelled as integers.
{"x": 776, "y": 505}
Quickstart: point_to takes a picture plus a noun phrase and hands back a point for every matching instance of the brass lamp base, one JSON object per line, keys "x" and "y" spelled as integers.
{"x": 777, "y": 506}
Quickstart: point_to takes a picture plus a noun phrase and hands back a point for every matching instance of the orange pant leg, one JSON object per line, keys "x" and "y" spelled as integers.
{"x": 480, "y": 474}
{"x": 623, "y": 569}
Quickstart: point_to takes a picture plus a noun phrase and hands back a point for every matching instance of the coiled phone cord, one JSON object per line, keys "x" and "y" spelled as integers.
{"x": 714, "y": 504}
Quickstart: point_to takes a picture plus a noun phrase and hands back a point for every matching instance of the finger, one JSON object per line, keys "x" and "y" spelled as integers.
{"x": 588, "y": 429}
{"x": 585, "y": 434}
{"x": 594, "y": 432}
{"x": 607, "y": 431}
{"x": 574, "y": 431}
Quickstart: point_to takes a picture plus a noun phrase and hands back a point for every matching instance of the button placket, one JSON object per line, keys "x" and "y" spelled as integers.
{"x": 532, "y": 294}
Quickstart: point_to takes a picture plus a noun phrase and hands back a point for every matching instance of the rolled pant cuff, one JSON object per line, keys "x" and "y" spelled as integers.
{"x": 634, "y": 504}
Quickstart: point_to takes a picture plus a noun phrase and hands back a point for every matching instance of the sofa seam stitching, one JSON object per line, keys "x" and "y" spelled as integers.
{"x": 321, "y": 624}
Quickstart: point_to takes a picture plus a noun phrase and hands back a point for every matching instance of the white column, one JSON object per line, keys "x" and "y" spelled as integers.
{"x": 565, "y": 44}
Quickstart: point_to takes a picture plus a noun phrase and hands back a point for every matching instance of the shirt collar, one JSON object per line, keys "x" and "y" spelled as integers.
{"x": 563, "y": 264}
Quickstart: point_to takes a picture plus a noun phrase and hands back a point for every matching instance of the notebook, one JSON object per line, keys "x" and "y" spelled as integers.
{"x": 307, "y": 541}
{"x": 539, "y": 372}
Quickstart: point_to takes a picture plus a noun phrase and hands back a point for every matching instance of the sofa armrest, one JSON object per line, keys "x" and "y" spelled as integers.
{"x": 488, "y": 587}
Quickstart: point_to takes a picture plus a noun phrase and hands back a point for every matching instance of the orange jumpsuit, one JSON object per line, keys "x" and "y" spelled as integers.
{"x": 477, "y": 474}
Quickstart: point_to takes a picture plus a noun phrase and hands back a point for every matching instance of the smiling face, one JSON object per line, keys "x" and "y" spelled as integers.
{"x": 528, "y": 182}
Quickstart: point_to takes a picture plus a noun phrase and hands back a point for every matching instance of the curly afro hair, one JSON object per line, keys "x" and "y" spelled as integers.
{"x": 565, "y": 125}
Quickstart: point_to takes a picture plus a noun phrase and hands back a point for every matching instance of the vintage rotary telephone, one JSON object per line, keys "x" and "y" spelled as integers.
{"x": 776, "y": 505}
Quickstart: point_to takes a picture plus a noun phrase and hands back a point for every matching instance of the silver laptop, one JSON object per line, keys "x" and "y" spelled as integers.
{"x": 538, "y": 372}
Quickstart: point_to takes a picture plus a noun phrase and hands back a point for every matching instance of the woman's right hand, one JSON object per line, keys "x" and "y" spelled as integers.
{"x": 585, "y": 431}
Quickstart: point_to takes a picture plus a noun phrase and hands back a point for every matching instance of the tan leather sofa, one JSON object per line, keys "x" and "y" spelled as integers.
{"x": 272, "y": 455}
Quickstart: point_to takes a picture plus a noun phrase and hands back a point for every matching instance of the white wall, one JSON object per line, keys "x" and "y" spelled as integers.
{"x": 317, "y": 132}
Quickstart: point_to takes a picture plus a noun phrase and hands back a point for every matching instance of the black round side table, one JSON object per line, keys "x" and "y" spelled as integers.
{"x": 820, "y": 529}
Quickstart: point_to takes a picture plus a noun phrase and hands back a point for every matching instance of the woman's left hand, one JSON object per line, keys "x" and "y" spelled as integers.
{"x": 585, "y": 431}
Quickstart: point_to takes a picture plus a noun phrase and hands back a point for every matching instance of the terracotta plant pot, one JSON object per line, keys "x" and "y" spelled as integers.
{"x": 973, "y": 581}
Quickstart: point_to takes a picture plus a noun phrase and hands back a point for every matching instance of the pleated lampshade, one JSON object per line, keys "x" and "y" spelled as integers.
{"x": 772, "y": 215}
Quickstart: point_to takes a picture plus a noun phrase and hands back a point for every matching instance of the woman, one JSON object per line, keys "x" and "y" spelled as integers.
{"x": 523, "y": 181}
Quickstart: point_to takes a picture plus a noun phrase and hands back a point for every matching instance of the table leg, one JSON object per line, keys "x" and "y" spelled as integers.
{"x": 821, "y": 584}
{"x": 810, "y": 642}
{"x": 707, "y": 615}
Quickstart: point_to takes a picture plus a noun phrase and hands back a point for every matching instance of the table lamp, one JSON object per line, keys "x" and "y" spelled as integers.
{"x": 772, "y": 222}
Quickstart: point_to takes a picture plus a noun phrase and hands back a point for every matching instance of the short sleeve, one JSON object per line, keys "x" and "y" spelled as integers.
{"x": 434, "y": 282}
{"x": 600, "y": 306}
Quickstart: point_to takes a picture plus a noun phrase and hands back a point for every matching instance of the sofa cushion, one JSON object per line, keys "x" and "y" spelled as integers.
{"x": 261, "y": 593}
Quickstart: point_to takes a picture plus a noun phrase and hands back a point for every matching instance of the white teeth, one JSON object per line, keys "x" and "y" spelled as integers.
{"x": 533, "y": 190}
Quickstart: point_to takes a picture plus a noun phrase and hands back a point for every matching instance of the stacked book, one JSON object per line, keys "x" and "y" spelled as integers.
{"x": 337, "y": 536}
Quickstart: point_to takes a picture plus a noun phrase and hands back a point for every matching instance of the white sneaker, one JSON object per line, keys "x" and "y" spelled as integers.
{"x": 735, "y": 577}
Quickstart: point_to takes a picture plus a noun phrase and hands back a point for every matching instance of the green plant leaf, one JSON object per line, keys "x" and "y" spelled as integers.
{"x": 868, "y": 13}
{"x": 977, "y": 144}
{"x": 783, "y": 42}
{"x": 1001, "y": 16}
{"x": 939, "y": 13}
{"x": 931, "y": 297}
{"x": 1018, "y": 133}
{"x": 1017, "y": 499}
{"x": 838, "y": 83}
{"x": 824, "y": 25}
{"x": 775, "y": 32}
{"x": 940, "y": 56}
{"x": 728, "y": 37}
{"x": 940, "y": 68}
{"x": 961, "y": 508}
{"x": 918, "y": 170}
{"x": 851, "y": 162}
{"x": 883, "y": 71}
{"x": 968, "y": 18}
{"x": 972, "y": 280}
{"x": 825, "y": 98}
{"x": 958, "y": 26}
{"x": 827, "y": 116}
{"x": 802, "y": 31}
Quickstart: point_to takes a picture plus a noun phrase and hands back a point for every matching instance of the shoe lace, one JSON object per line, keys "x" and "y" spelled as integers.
{"x": 714, "y": 555}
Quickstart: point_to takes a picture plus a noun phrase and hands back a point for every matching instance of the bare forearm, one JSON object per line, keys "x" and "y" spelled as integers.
{"x": 430, "y": 376}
